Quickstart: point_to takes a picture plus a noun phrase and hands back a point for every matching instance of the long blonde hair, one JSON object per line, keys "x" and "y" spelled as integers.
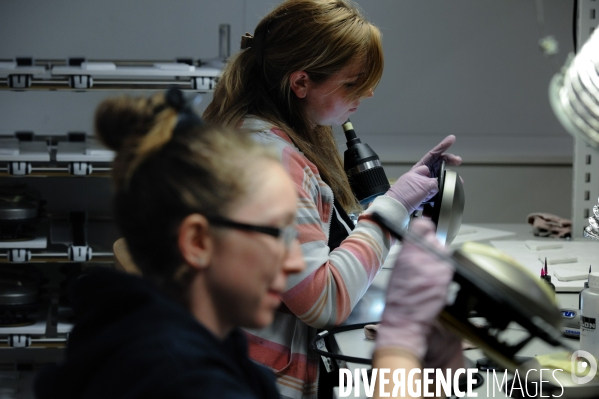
{"x": 320, "y": 37}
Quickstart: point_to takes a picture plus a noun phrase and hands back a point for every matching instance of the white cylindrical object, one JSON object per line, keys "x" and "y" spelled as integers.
{"x": 589, "y": 333}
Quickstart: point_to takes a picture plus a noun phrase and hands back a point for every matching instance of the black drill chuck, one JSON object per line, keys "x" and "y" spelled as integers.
{"x": 366, "y": 176}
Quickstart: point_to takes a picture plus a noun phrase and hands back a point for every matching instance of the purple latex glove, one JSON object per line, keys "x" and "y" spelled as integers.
{"x": 434, "y": 157}
{"x": 413, "y": 188}
{"x": 416, "y": 294}
{"x": 444, "y": 349}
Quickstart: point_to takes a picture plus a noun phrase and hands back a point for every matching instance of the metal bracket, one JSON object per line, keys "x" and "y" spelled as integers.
{"x": 80, "y": 168}
{"x": 19, "y": 168}
{"x": 81, "y": 81}
{"x": 585, "y": 186}
{"x": 19, "y": 341}
{"x": 19, "y": 255}
{"x": 80, "y": 253}
{"x": 203, "y": 83}
{"x": 19, "y": 81}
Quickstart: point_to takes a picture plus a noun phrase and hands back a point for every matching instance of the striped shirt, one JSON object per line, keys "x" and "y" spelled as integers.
{"x": 324, "y": 294}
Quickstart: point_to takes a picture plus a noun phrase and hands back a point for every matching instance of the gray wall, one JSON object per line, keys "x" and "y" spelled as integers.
{"x": 472, "y": 68}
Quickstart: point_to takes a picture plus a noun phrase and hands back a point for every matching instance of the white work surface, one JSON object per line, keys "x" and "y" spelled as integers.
{"x": 567, "y": 262}
{"x": 370, "y": 307}
{"x": 565, "y": 258}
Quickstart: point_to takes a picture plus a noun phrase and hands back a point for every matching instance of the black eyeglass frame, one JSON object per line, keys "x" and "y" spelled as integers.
{"x": 288, "y": 233}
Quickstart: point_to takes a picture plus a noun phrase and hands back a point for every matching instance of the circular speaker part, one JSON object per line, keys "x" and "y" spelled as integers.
{"x": 17, "y": 294}
{"x": 18, "y": 203}
{"x": 449, "y": 205}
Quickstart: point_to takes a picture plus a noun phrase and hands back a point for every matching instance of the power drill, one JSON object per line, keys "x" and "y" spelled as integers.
{"x": 366, "y": 176}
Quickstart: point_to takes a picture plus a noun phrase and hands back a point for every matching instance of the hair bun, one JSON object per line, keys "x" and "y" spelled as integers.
{"x": 187, "y": 118}
{"x": 174, "y": 98}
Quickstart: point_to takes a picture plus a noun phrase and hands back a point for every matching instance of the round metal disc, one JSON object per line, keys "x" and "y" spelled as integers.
{"x": 12, "y": 294}
{"x": 449, "y": 206}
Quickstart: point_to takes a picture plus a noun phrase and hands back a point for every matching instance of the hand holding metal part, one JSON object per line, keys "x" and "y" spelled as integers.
{"x": 413, "y": 188}
{"x": 416, "y": 294}
{"x": 437, "y": 155}
{"x": 491, "y": 285}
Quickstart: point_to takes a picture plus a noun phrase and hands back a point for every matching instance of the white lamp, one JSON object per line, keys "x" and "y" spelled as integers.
{"x": 574, "y": 93}
{"x": 574, "y": 97}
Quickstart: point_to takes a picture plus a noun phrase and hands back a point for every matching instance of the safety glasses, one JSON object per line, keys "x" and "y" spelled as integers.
{"x": 287, "y": 234}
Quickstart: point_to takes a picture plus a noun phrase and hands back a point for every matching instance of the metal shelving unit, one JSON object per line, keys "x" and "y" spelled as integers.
{"x": 80, "y": 74}
{"x": 56, "y": 241}
{"x": 585, "y": 188}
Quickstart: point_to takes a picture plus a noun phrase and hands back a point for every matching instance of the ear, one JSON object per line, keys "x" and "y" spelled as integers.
{"x": 299, "y": 82}
{"x": 195, "y": 242}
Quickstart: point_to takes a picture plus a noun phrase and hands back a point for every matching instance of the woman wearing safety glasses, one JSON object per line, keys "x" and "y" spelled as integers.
{"x": 209, "y": 219}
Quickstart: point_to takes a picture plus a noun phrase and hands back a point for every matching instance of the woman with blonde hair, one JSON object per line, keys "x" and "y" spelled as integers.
{"x": 209, "y": 218}
{"x": 307, "y": 66}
